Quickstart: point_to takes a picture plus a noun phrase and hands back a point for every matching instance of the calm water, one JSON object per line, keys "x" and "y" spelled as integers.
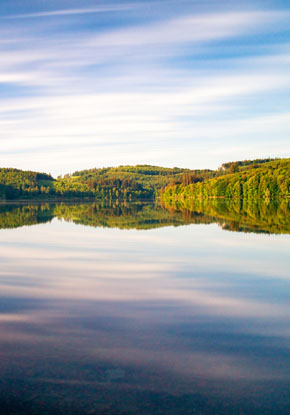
{"x": 145, "y": 311}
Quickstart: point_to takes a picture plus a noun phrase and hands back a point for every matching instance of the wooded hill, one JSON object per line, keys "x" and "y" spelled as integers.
{"x": 245, "y": 180}
{"x": 256, "y": 178}
{"x": 141, "y": 182}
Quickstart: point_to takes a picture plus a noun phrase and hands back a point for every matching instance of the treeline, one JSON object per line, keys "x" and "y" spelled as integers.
{"x": 257, "y": 178}
{"x": 265, "y": 180}
{"x": 144, "y": 180}
{"x": 236, "y": 165}
{"x": 124, "y": 183}
{"x": 18, "y": 184}
{"x": 109, "y": 188}
{"x": 15, "y": 183}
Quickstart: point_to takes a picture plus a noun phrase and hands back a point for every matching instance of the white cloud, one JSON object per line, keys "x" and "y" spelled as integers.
{"x": 114, "y": 96}
{"x": 188, "y": 29}
{"x": 68, "y": 12}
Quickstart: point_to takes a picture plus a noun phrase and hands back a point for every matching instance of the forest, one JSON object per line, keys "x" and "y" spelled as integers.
{"x": 141, "y": 182}
{"x": 267, "y": 178}
{"x": 254, "y": 180}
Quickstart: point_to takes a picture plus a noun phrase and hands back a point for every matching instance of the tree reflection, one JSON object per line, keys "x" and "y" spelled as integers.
{"x": 239, "y": 215}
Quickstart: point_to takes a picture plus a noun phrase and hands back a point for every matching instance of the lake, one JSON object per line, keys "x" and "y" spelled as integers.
{"x": 143, "y": 309}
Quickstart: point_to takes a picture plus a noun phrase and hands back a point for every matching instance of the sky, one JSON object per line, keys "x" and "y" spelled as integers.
{"x": 186, "y": 83}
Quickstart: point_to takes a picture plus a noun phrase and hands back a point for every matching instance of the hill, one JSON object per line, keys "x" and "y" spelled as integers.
{"x": 141, "y": 182}
{"x": 256, "y": 178}
{"x": 253, "y": 180}
{"x": 15, "y": 183}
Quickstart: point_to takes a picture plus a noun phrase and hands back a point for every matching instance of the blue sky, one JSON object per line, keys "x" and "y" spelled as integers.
{"x": 176, "y": 83}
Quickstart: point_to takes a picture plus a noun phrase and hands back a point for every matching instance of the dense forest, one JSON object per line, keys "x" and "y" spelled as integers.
{"x": 249, "y": 178}
{"x": 16, "y": 183}
{"x": 128, "y": 182}
{"x": 240, "y": 180}
{"x": 141, "y": 182}
{"x": 238, "y": 215}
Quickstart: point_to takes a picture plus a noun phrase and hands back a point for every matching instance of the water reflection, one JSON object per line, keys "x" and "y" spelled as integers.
{"x": 172, "y": 320}
{"x": 241, "y": 215}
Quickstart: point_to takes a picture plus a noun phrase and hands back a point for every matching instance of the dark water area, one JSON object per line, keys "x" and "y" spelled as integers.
{"x": 144, "y": 309}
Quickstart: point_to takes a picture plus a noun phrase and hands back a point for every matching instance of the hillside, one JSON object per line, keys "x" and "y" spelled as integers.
{"x": 146, "y": 180}
{"x": 141, "y": 182}
{"x": 254, "y": 180}
{"x": 15, "y": 183}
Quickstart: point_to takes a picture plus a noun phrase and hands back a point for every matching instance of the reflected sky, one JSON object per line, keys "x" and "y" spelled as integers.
{"x": 175, "y": 320}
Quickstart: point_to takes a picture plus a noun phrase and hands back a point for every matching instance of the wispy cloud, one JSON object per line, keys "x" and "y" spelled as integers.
{"x": 176, "y": 84}
{"x": 194, "y": 28}
{"x": 68, "y": 12}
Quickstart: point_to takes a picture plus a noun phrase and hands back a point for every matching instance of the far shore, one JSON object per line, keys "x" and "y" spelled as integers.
{"x": 70, "y": 200}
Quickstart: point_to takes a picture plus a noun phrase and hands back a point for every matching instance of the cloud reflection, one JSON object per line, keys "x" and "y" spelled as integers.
{"x": 104, "y": 309}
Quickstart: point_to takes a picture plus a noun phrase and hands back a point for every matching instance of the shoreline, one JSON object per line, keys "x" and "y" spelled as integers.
{"x": 77, "y": 200}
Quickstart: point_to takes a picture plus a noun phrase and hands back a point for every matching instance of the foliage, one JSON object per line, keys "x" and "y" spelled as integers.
{"x": 272, "y": 179}
{"x": 141, "y": 182}
{"x": 244, "y": 164}
{"x": 259, "y": 178}
{"x": 16, "y": 183}
{"x": 144, "y": 180}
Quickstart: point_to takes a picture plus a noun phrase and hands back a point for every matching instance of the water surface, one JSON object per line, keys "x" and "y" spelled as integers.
{"x": 127, "y": 310}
